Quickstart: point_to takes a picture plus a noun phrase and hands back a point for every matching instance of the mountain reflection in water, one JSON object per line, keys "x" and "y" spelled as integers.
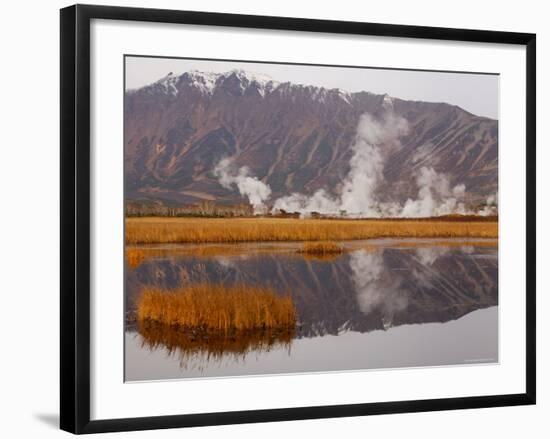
{"x": 369, "y": 287}
{"x": 361, "y": 291}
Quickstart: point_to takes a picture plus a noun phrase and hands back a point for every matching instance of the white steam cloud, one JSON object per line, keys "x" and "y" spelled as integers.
{"x": 375, "y": 140}
{"x": 256, "y": 191}
{"x": 435, "y": 196}
{"x": 491, "y": 206}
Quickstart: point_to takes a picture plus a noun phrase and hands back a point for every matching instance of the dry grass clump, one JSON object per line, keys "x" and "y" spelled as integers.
{"x": 321, "y": 248}
{"x": 217, "y": 308}
{"x": 218, "y": 230}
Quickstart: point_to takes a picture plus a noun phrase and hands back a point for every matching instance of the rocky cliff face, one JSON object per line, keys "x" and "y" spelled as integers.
{"x": 295, "y": 138}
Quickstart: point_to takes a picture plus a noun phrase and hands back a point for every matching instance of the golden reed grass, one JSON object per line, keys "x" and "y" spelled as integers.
{"x": 321, "y": 248}
{"x": 217, "y": 308}
{"x": 218, "y": 230}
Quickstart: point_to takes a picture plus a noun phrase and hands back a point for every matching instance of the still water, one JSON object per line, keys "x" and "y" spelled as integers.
{"x": 380, "y": 304}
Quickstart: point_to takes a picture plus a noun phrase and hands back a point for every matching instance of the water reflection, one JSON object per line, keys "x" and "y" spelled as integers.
{"x": 369, "y": 287}
{"x": 197, "y": 350}
{"x": 377, "y": 288}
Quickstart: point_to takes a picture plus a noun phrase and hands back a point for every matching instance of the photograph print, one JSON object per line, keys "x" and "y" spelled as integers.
{"x": 295, "y": 218}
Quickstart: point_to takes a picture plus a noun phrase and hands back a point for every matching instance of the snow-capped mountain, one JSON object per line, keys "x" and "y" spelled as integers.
{"x": 295, "y": 137}
{"x": 239, "y": 82}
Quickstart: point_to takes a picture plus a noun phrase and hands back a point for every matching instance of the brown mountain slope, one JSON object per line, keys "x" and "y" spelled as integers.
{"x": 295, "y": 138}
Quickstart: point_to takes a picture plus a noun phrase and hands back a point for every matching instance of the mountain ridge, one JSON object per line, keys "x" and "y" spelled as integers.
{"x": 294, "y": 137}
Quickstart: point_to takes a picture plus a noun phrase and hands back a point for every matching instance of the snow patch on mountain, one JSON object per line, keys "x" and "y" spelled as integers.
{"x": 204, "y": 81}
{"x": 208, "y": 82}
{"x": 168, "y": 84}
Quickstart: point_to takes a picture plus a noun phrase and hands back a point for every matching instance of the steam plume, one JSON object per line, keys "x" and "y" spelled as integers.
{"x": 372, "y": 144}
{"x": 375, "y": 140}
{"x": 435, "y": 196}
{"x": 491, "y": 206}
{"x": 256, "y": 191}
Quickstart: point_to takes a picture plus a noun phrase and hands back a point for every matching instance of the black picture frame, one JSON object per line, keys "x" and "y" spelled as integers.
{"x": 75, "y": 217}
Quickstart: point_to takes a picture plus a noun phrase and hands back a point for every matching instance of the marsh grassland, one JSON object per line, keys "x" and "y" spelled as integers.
{"x": 155, "y": 230}
{"x": 213, "y": 291}
{"x": 209, "y": 307}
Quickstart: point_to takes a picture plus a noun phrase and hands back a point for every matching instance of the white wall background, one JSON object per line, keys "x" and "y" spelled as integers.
{"x": 29, "y": 186}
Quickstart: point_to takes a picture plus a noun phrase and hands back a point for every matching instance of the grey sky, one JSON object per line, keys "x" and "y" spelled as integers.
{"x": 475, "y": 93}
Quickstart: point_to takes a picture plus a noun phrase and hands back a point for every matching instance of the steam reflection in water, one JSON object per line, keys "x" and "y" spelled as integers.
{"x": 339, "y": 301}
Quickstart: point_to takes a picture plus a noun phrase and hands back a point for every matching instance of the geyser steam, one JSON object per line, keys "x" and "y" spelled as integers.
{"x": 256, "y": 191}
{"x": 435, "y": 196}
{"x": 375, "y": 140}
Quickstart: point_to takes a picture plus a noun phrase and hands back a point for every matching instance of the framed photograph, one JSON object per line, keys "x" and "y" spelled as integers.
{"x": 268, "y": 218}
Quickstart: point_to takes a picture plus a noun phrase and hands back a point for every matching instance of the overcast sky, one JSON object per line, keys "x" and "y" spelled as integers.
{"x": 475, "y": 93}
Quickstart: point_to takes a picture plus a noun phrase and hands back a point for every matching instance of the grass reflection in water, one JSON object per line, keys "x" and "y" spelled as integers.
{"x": 199, "y": 348}
{"x": 212, "y": 320}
